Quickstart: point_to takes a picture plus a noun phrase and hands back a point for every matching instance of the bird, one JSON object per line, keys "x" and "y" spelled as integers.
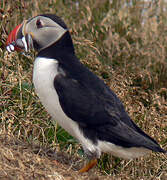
{"x": 74, "y": 96}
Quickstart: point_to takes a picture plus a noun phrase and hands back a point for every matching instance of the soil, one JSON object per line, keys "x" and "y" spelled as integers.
{"x": 20, "y": 160}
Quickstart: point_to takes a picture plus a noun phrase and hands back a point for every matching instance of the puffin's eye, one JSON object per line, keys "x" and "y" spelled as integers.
{"x": 39, "y": 23}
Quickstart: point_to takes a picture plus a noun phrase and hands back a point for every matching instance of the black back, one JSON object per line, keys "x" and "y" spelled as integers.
{"x": 88, "y": 101}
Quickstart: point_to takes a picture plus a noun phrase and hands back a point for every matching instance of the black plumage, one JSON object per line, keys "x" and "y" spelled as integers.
{"x": 89, "y": 102}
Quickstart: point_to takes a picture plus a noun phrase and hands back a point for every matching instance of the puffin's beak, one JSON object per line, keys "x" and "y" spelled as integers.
{"x": 11, "y": 44}
{"x": 18, "y": 40}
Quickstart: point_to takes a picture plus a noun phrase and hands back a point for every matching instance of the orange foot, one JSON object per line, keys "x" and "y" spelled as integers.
{"x": 90, "y": 165}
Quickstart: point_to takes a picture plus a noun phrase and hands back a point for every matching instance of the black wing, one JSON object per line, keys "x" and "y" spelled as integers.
{"x": 99, "y": 112}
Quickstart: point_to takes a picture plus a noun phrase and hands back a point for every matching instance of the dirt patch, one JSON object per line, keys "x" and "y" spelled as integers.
{"x": 20, "y": 160}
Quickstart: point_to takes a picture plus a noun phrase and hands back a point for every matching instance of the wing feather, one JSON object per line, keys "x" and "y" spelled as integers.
{"x": 100, "y": 115}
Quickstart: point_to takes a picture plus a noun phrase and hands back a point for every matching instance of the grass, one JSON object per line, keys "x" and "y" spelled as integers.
{"x": 125, "y": 45}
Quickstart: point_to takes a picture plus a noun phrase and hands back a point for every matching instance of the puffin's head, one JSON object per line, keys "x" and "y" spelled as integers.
{"x": 38, "y": 32}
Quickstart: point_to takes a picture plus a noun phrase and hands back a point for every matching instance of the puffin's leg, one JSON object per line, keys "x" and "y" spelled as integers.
{"x": 88, "y": 166}
{"x": 92, "y": 156}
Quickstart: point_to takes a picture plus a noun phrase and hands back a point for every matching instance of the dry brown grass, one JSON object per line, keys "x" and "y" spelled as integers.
{"x": 121, "y": 45}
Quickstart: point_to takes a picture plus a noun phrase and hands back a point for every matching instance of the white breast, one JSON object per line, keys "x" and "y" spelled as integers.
{"x": 44, "y": 73}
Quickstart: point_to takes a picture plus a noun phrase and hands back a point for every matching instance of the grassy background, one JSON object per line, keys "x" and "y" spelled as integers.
{"x": 124, "y": 42}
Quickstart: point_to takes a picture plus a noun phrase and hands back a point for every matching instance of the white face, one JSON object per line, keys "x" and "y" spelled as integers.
{"x": 38, "y": 33}
{"x": 43, "y": 31}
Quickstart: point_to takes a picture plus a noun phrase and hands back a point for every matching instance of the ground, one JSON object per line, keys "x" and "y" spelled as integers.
{"x": 19, "y": 160}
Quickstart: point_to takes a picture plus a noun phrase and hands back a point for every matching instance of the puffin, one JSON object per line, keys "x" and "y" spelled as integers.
{"x": 74, "y": 96}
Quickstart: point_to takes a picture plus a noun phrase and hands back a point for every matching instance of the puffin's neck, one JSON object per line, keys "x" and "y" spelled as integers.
{"x": 60, "y": 48}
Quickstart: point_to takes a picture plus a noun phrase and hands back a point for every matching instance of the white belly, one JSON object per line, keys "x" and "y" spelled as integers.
{"x": 118, "y": 151}
{"x": 44, "y": 73}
